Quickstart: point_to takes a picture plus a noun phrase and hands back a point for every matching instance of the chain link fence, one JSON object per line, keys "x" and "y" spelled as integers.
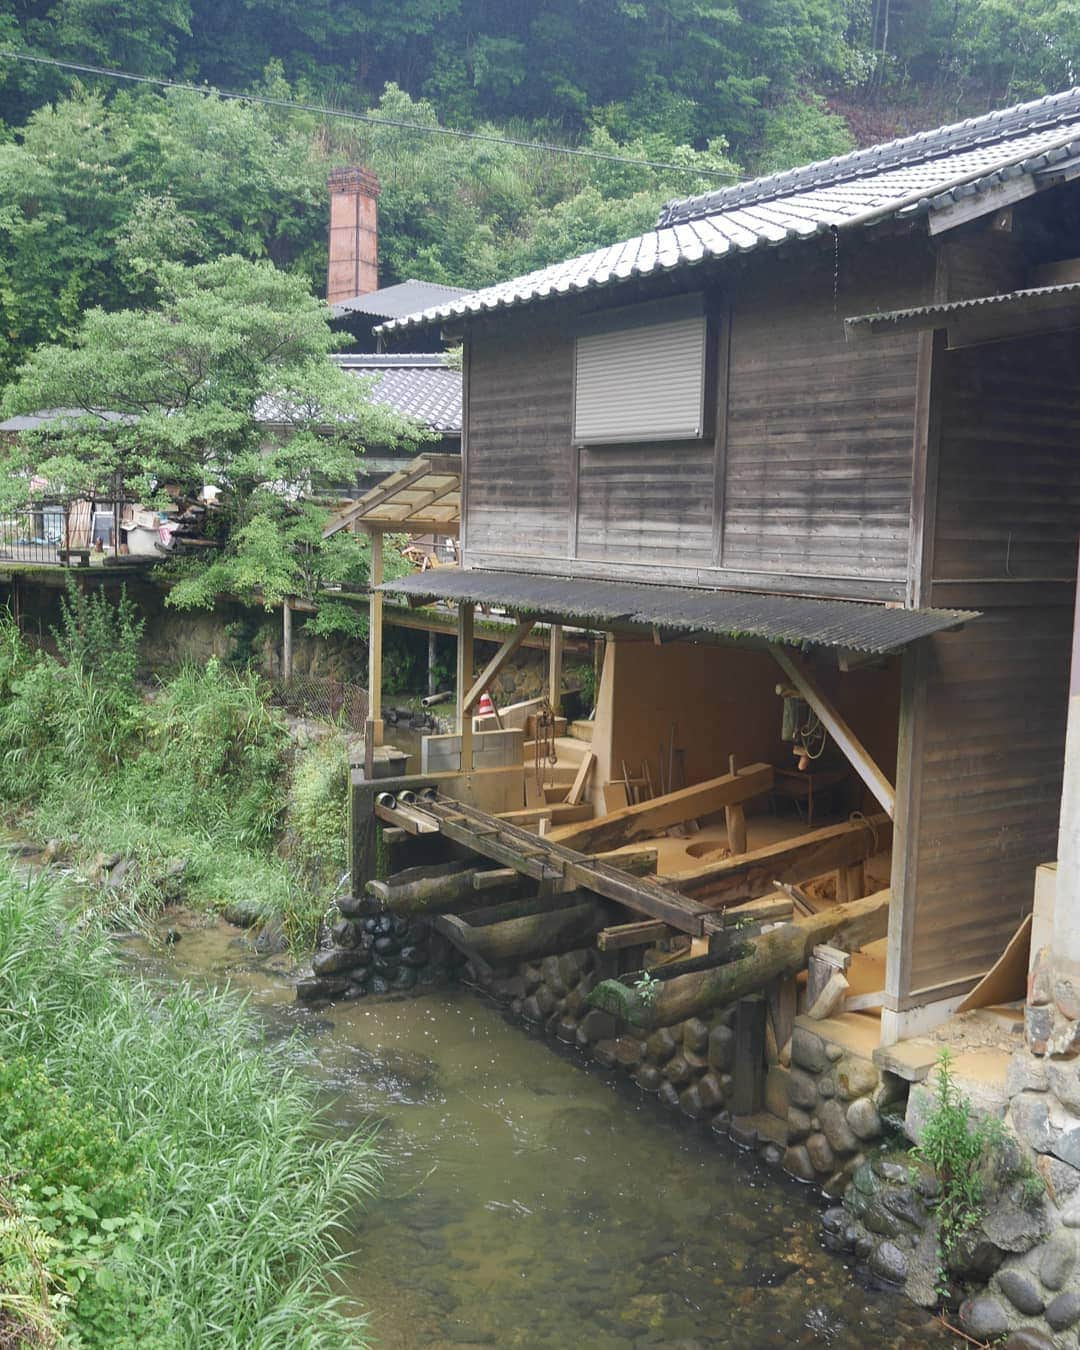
{"x": 321, "y": 699}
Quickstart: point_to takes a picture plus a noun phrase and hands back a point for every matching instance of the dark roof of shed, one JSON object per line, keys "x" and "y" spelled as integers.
{"x": 391, "y": 302}
{"x": 733, "y": 614}
{"x": 1032, "y": 300}
{"x": 916, "y": 175}
{"x": 416, "y": 385}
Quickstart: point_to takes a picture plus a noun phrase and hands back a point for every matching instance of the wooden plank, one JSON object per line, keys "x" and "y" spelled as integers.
{"x": 854, "y": 750}
{"x": 646, "y": 819}
{"x": 732, "y": 880}
{"x": 555, "y": 663}
{"x": 375, "y": 634}
{"x": 556, "y": 811}
{"x": 748, "y": 1088}
{"x": 577, "y": 789}
{"x": 521, "y": 631}
{"x": 466, "y": 614}
{"x": 1006, "y": 980}
{"x": 642, "y": 934}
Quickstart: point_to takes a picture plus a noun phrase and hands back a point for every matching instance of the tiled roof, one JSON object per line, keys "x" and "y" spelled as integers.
{"x": 421, "y": 386}
{"x": 918, "y": 174}
{"x": 391, "y": 302}
{"x": 738, "y": 615}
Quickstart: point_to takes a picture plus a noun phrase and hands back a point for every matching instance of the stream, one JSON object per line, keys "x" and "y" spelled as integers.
{"x": 527, "y": 1202}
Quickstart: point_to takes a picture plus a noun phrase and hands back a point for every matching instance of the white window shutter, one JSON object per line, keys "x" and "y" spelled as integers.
{"x": 645, "y": 383}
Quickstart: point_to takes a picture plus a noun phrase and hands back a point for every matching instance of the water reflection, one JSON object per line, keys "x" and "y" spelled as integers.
{"x": 528, "y": 1203}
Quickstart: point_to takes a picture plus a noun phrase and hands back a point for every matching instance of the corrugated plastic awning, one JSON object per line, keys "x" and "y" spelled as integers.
{"x": 424, "y": 497}
{"x": 736, "y": 615}
{"x": 985, "y": 318}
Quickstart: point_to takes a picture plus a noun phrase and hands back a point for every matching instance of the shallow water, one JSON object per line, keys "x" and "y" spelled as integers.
{"x": 528, "y": 1202}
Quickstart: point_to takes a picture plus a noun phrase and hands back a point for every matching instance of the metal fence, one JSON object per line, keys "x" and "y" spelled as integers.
{"x": 322, "y": 699}
{"x": 52, "y": 531}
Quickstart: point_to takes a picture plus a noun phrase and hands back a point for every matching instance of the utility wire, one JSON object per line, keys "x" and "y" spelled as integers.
{"x": 292, "y": 105}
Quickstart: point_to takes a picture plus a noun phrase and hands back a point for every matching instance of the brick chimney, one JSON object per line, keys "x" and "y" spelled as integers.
{"x": 353, "y": 267}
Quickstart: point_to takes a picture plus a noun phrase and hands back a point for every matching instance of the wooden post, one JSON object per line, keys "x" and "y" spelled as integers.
{"x": 466, "y": 613}
{"x": 555, "y": 646}
{"x": 375, "y": 622}
{"x": 854, "y": 750}
{"x": 431, "y": 645}
{"x": 748, "y": 1090}
{"x": 735, "y": 818}
{"x": 286, "y": 639}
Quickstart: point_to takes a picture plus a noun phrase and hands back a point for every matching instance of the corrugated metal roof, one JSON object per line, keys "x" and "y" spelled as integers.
{"x": 917, "y": 174}
{"x": 732, "y": 614}
{"x": 391, "y": 302}
{"x": 1032, "y": 300}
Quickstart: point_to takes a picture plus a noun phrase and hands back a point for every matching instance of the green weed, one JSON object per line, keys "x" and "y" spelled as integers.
{"x": 176, "y": 1187}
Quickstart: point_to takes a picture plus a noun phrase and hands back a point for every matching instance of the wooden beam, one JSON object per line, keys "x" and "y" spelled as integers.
{"x": 375, "y": 630}
{"x": 378, "y": 495}
{"x": 732, "y": 880}
{"x": 980, "y": 204}
{"x": 466, "y": 613}
{"x": 555, "y": 651}
{"x": 521, "y": 631}
{"x": 854, "y": 750}
{"x": 549, "y": 933}
{"x": 646, "y": 819}
{"x": 577, "y": 788}
{"x": 642, "y": 934}
{"x": 779, "y": 951}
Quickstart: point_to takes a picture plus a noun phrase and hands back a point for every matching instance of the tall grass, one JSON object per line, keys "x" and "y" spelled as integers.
{"x": 192, "y": 785}
{"x": 239, "y": 1194}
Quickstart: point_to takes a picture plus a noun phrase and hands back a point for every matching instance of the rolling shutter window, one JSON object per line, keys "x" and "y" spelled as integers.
{"x": 645, "y": 383}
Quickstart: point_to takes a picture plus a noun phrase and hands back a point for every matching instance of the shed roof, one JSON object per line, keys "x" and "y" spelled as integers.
{"x": 919, "y": 174}
{"x": 1041, "y": 306}
{"x": 425, "y": 495}
{"x": 739, "y": 615}
{"x": 390, "y": 302}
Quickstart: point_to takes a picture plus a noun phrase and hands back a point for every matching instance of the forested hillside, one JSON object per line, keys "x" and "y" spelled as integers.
{"x": 99, "y": 179}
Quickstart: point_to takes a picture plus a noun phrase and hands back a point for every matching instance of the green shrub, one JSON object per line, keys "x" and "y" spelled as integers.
{"x": 99, "y": 635}
{"x": 317, "y": 812}
{"x": 168, "y": 1109}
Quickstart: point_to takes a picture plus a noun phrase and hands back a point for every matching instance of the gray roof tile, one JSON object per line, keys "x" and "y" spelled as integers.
{"x": 916, "y": 175}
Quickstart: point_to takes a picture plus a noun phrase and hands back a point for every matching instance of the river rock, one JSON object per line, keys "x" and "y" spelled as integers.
{"x": 345, "y": 933}
{"x": 820, "y": 1154}
{"x": 855, "y": 1077}
{"x": 1057, "y": 1259}
{"x": 1020, "y": 1292}
{"x": 551, "y": 973}
{"x": 1029, "y": 1338}
{"x": 677, "y": 1070}
{"x": 1025, "y": 1073}
{"x": 628, "y": 1051}
{"x": 695, "y": 1035}
{"x": 416, "y": 956}
{"x": 984, "y": 1318}
{"x": 802, "y": 1090}
{"x": 386, "y": 945}
{"x": 315, "y": 989}
{"x": 404, "y": 979}
{"x": 923, "y": 1264}
{"x": 721, "y": 1049}
{"x": 826, "y": 1086}
{"x": 797, "y": 1162}
{"x": 603, "y": 1052}
{"x": 808, "y": 1051}
{"x": 798, "y": 1123}
{"x": 598, "y": 1025}
{"x": 648, "y": 1077}
{"x": 545, "y": 1000}
{"x": 889, "y": 1263}
{"x": 863, "y": 1118}
{"x": 566, "y": 1030}
{"x": 711, "y": 1089}
{"x": 661, "y": 1045}
{"x": 690, "y": 1103}
{"x": 1014, "y": 1226}
{"x": 837, "y": 1131}
{"x": 1063, "y": 1311}
{"x": 333, "y": 959}
{"x": 530, "y": 973}
{"x": 379, "y": 984}
{"x": 668, "y": 1094}
{"x": 904, "y": 1203}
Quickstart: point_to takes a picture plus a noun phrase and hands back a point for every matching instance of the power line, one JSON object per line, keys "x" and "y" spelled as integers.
{"x": 293, "y": 105}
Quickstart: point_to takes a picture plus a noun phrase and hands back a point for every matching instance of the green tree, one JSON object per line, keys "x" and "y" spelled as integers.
{"x": 230, "y": 347}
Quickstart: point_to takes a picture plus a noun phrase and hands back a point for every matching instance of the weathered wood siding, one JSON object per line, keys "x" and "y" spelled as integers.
{"x": 647, "y": 504}
{"x": 518, "y": 486}
{"x": 1008, "y": 507}
{"x": 819, "y": 445}
{"x": 980, "y": 765}
{"x": 806, "y": 485}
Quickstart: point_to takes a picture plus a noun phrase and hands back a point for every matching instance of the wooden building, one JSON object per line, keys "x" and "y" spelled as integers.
{"x": 819, "y": 430}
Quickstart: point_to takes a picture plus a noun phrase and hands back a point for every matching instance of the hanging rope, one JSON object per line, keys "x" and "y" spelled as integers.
{"x": 545, "y": 751}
